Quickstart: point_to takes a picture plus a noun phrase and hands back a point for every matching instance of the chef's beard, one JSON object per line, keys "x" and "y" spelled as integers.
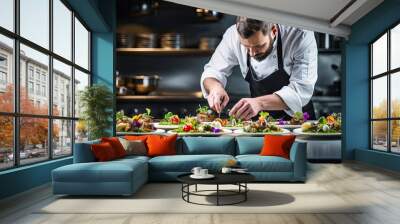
{"x": 262, "y": 56}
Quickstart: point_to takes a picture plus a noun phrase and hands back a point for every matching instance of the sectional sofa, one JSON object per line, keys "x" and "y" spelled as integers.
{"x": 125, "y": 176}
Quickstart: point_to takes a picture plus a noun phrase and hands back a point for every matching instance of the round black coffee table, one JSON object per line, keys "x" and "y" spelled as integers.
{"x": 238, "y": 179}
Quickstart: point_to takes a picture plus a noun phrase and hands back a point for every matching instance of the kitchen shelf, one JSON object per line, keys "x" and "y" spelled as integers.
{"x": 157, "y": 98}
{"x": 160, "y": 98}
{"x": 164, "y": 51}
{"x": 326, "y": 99}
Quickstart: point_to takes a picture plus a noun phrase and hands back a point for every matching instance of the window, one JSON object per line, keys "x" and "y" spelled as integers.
{"x": 7, "y": 14}
{"x": 47, "y": 76}
{"x": 385, "y": 96}
{"x": 34, "y": 22}
{"x": 7, "y": 73}
{"x": 81, "y": 45}
{"x": 30, "y": 87}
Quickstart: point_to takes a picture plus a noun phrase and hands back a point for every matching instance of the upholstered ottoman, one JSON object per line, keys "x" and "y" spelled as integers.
{"x": 118, "y": 177}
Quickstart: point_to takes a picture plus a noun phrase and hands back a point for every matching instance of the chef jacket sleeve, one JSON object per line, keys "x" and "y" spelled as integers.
{"x": 222, "y": 61}
{"x": 303, "y": 75}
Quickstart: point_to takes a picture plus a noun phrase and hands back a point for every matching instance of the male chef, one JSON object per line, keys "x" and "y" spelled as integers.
{"x": 278, "y": 62}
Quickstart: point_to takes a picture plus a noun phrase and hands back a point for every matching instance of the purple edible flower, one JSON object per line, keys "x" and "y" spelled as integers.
{"x": 215, "y": 130}
{"x": 306, "y": 116}
{"x": 136, "y": 124}
{"x": 281, "y": 121}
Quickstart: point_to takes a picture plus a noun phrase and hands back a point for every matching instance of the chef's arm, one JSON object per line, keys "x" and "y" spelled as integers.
{"x": 271, "y": 102}
{"x": 303, "y": 76}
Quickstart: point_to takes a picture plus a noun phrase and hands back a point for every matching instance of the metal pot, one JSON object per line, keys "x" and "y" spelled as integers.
{"x": 145, "y": 84}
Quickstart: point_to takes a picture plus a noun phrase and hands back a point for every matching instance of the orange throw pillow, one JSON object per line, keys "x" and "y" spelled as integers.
{"x": 159, "y": 145}
{"x": 103, "y": 151}
{"x": 277, "y": 145}
{"x": 116, "y": 145}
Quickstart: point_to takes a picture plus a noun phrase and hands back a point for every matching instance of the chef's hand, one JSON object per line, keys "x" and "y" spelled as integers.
{"x": 218, "y": 99}
{"x": 246, "y": 108}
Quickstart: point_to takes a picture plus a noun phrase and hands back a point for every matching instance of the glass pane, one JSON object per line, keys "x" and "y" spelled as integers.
{"x": 62, "y": 89}
{"x": 379, "y": 135}
{"x": 7, "y": 14}
{"x": 81, "y": 132}
{"x": 395, "y": 94}
{"x": 34, "y": 97}
{"x": 395, "y": 138}
{"x": 6, "y": 74}
{"x": 35, "y": 21}
{"x": 379, "y": 56}
{"x": 395, "y": 47}
{"x": 33, "y": 139}
{"x": 379, "y": 97}
{"x": 81, "y": 45}
{"x": 62, "y": 29}
{"x": 6, "y": 142}
{"x": 62, "y": 138}
{"x": 81, "y": 81}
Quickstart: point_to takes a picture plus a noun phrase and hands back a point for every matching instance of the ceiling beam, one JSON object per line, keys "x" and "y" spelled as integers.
{"x": 346, "y": 12}
{"x": 268, "y": 14}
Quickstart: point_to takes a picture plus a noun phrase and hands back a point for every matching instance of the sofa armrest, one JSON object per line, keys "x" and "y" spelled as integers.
{"x": 298, "y": 155}
{"x": 83, "y": 152}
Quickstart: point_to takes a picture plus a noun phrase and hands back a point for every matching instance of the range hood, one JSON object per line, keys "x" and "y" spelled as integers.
{"x": 325, "y": 16}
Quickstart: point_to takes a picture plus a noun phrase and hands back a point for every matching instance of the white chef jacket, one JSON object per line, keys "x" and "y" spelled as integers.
{"x": 300, "y": 61}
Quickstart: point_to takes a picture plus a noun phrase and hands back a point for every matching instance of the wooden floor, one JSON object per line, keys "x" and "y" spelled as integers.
{"x": 377, "y": 188}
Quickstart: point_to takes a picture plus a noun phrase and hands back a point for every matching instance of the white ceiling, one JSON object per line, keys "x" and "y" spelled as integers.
{"x": 316, "y": 15}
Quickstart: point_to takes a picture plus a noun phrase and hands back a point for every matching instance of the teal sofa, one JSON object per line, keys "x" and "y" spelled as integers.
{"x": 125, "y": 176}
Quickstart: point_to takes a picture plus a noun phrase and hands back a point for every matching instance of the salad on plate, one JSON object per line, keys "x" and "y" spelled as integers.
{"x": 138, "y": 123}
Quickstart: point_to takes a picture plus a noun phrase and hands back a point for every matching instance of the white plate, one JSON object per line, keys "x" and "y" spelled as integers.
{"x": 225, "y": 127}
{"x": 300, "y": 132}
{"x": 208, "y": 176}
{"x": 157, "y": 131}
{"x": 165, "y": 127}
{"x": 224, "y": 131}
{"x": 242, "y": 132}
{"x": 289, "y": 126}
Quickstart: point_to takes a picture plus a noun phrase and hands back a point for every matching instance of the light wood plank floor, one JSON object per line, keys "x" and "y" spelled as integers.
{"x": 377, "y": 188}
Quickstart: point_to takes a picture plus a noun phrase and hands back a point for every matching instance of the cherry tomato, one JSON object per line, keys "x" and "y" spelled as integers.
{"x": 175, "y": 120}
{"x": 187, "y": 127}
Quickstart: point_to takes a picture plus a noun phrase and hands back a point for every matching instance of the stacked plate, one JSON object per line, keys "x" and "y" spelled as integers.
{"x": 172, "y": 40}
{"x": 125, "y": 40}
{"x": 146, "y": 40}
{"x": 207, "y": 43}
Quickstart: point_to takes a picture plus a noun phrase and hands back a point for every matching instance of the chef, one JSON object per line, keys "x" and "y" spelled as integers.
{"x": 278, "y": 62}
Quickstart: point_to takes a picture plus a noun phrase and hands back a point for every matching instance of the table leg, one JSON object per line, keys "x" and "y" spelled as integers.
{"x": 196, "y": 187}
{"x": 245, "y": 193}
{"x": 217, "y": 194}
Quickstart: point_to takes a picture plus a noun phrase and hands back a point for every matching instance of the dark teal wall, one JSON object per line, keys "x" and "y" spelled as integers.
{"x": 103, "y": 51}
{"x": 356, "y": 100}
{"x": 99, "y": 15}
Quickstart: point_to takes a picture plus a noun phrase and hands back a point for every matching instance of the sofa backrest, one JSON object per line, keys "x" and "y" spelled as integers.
{"x": 83, "y": 152}
{"x": 249, "y": 145}
{"x": 206, "y": 145}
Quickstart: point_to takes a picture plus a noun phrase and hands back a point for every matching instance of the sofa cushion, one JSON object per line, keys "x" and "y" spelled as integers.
{"x": 277, "y": 145}
{"x": 159, "y": 145}
{"x": 116, "y": 145}
{"x": 249, "y": 145}
{"x": 257, "y": 163}
{"x": 185, "y": 163}
{"x": 134, "y": 147}
{"x": 103, "y": 152}
{"x": 112, "y": 171}
{"x": 208, "y": 145}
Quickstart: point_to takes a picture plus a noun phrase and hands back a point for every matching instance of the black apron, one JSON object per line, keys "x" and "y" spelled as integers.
{"x": 273, "y": 83}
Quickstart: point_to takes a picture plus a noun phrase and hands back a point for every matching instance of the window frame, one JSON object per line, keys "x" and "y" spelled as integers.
{"x": 16, "y": 114}
{"x": 388, "y": 74}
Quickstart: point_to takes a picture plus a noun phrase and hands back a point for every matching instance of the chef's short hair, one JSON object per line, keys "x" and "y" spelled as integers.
{"x": 246, "y": 27}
